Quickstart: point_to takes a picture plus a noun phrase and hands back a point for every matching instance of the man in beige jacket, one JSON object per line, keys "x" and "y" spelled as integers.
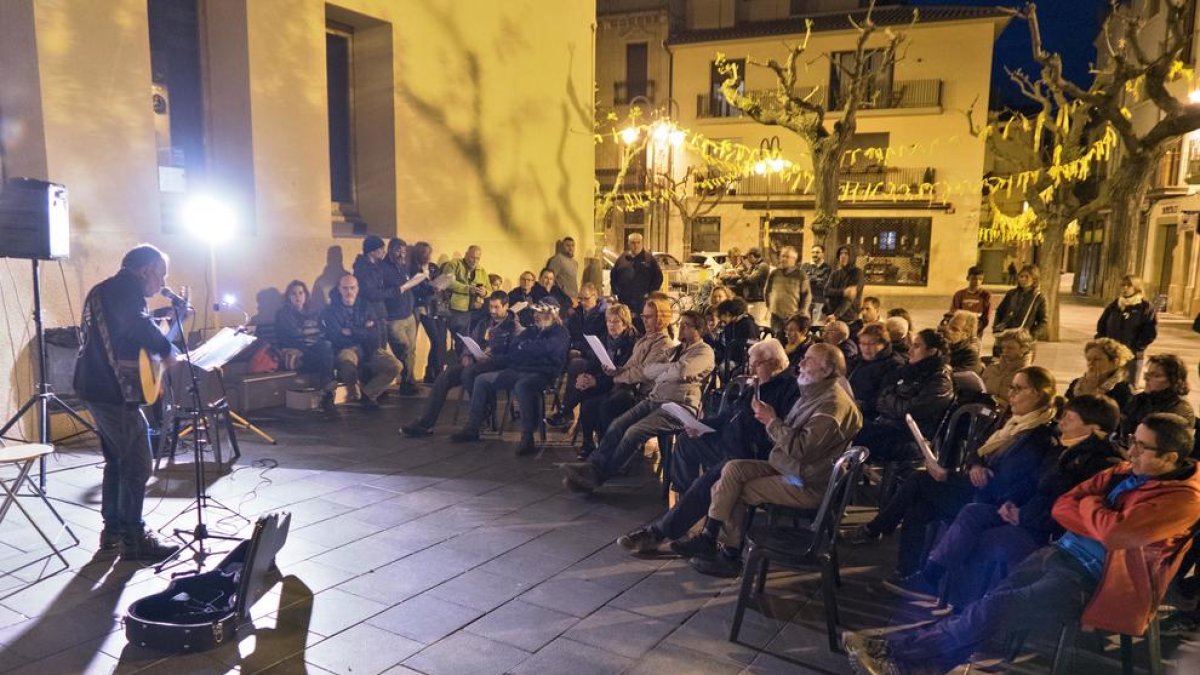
{"x": 678, "y": 380}
{"x": 815, "y": 432}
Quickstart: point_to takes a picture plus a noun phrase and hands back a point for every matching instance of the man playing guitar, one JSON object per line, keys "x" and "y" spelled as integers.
{"x": 115, "y": 327}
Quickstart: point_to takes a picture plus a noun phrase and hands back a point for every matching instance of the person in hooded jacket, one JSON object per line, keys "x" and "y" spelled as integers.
{"x": 352, "y": 327}
{"x": 1166, "y": 391}
{"x": 398, "y": 305}
{"x": 1132, "y": 321}
{"x": 535, "y": 358}
{"x": 843, "y": 291}
{"x": 877, "y": 365}
{"x": 372, "y": 282}
{"x": 923, "y": 389}
{"x": 1127, "y": 529}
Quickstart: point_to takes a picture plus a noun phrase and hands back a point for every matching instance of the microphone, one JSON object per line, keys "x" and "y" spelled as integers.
{"x": 176, "y": 299}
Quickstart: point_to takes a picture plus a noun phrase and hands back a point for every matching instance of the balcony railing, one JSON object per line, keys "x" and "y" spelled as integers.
{"x": 755, "y": 185}
{"x": 715, "y": 107}
{"x": 624, "y": 92}
{"x": 634, "y": 179}
{"x": 900, "y": 94}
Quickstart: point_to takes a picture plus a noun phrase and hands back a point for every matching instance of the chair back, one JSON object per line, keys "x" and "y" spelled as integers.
{"x": 964, "y": 431}
{"x": 847, "y": 471}
{"x": 733, "y": 390}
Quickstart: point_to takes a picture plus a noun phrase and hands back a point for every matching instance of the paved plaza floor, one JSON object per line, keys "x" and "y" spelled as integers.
{"x": 425, "y": 556}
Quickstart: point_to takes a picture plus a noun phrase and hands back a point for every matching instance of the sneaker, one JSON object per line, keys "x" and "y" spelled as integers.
{"x": 368, "y": 403}
{"x": 585, "y": 451}
{"x": 109, "y": 540}
{"x": 861, "y": 535}
{"x": 913, "y": 586}
{"x": 327, "y": 403}
{"x": 557, "y": 421}
{"x": 526, "y": 447}
{"x": 641, "y": 540}
{"x": 464, "y": 436}
{"x": 699, "y": 546}
{"x": 147, "y": 548}
{"x": 408, "y": 389}
{"x": 580, "y": 477}
{"x": 721, "y": 565}
{"x": 415, "y": 431}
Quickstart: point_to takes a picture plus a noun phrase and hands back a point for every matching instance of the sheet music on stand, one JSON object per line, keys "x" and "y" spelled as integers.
{"x": 221, "y": 348}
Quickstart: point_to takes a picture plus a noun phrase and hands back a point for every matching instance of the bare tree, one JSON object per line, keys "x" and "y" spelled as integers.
{"x": 805, "y": 112}
{"x": 1130, "y": 69}
{"x": 693, "y": 194}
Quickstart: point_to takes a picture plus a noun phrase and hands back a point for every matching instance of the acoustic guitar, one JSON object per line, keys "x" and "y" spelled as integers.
{"x": 151, "y": 366}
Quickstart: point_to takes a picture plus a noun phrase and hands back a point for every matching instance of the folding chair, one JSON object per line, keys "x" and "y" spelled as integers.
{"x": 23, "y": 457}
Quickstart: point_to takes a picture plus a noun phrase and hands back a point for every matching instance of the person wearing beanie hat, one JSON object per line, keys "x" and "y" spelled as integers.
{"x": 372, "y": 282}
{"x": 372, "y": 243}
{"x": 401, "y": 322}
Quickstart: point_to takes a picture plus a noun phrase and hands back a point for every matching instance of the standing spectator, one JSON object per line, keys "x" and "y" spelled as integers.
{"x": 818, "y": 272}
{"x": 372, "y": 286}
{"x": 398, "y": 303}
{"x": 1132, "y": 321}
{"x": 878, "y": 364}
{"x": 1011, "y": 273}
{"x": 731, "y": 273}
{"x": 426, "y": 308}
{"x": 843, "y": 291}
{"x": 635, "y": 275}
{"x": 960, "y": 332}
{"x": 298, "y": 327}
{"x": 1023, "y": 306}
{"x": 753, "y": 283}
{"x": 547, "y": 287}
{"x": 353, "y": 328}
{"x": 467, "y": 289}
{"x": 565, "y": 267}
{"x": 1165, "y": 392}
{"x": 974, "y": 298}
{"x": 787, "y": 291}
{"x": 1016, "y": 352}
{"x": 523, "y": 293}
{"x": 1105, "y": 375}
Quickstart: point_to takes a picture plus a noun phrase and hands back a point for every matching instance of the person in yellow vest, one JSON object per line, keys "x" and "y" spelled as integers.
{"x": 467, "y": 291}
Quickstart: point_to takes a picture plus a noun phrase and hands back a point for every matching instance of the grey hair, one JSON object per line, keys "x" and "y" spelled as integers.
{"x": 771, "y": 350}
{"x": 897, "y": 327}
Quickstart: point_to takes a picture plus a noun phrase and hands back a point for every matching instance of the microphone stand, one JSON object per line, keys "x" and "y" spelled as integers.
{"x": 194, "y": 539}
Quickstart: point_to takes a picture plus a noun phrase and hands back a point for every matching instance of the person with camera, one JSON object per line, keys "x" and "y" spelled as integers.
{"x": 467, "y": 290}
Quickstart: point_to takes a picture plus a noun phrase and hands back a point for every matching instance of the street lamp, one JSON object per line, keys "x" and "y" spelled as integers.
{"x": 663, "y": 136}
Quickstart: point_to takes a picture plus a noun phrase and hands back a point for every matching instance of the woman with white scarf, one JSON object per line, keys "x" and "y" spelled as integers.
{"x": 1106, "y": 374}
{"x": 1132, "y": 321}
{"x": 1003, "y": 469}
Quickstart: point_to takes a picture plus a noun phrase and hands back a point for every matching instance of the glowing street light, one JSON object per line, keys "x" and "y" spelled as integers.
{"x": 1194, "y": 97}
{"x": 629, "y": 135}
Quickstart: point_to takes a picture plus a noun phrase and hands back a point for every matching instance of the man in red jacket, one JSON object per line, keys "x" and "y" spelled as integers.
{"x": 1127, "y": 530}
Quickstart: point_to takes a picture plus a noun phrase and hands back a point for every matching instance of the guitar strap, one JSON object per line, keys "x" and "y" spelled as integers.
{"x": 126, "y": 370}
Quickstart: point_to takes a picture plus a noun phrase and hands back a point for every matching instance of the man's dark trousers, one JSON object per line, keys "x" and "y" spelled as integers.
{"x": 527, "y": 387}
{"x": 124, "y": 441}
{"x": 627, "y": 433}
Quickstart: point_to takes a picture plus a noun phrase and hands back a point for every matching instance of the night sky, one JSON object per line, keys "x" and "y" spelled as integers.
{"x": 1069, "y": 27}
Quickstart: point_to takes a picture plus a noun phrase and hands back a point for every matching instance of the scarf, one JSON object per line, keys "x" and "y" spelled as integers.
{"x": 1004, "y": 436}
{"x": 1132, "y": 301}
{"x": 1089, "y": 385}
{"x": 1072, "y": 442}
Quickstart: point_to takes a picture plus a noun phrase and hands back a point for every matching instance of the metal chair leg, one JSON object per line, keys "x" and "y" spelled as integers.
{"x": 744, "y": 594}
{"x": 1127, "y": 655}
{"x": 830, "y": 600}
{"x": 1064, "y": 650}
{"x": 1154, "y": 647}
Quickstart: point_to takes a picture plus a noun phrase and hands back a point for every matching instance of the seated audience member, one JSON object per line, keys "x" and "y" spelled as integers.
{"x": 983, "y": 535}
{"x": 738, "y": 330}
{"x": 1126, "y": 530}
{"x": 806, "y": 442}
{"x": 536, "y": 356}
{"x": 837, "y": 333}
{"x": 401, "y": 322}
{"x": 589, "y": 379}
{"x": 870, "y": 312}
{"x": 678, "y": 380}
{"x": 1106, "y": 373}
{"x": 547, "y": 288}
{"x": 1016, "y": 352}
{"x": 960, "y": 333}
{"x": 495, "y": 282}
{"x": 737, "y": 433}
{"x": 798, "y": 337}
{"x": 589, "y": 318}
{"x": 922, "y": 388}
{"x": 523, "y": 294}
{"x": 1003, "y": 469}
{"x": 299, "y": 328}
{"x": 494, "y": 336}
{"x": 597, "y": 414}
{"x": 898, "y": 329}
{"x": 1165, "y": 392}
{"x": 718, "y": 295}
{"x": 877, "y": 365}
{"x": 974, "y": 299}
{"x": 353, "y": 329}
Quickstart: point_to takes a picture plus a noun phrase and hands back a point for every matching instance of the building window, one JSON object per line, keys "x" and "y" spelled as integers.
{"x": 636, "y": 72}
{"x": 784, "y": 231}
{"x": 706, "y": 233}
{"x": 801, "y": 7}
{"x": 339, "y": 64}
{"x": 714, "y": 104}
{"x": 891, "y": 251}
{"x": 177, "y": 100}
{"x": 879, "y": 89}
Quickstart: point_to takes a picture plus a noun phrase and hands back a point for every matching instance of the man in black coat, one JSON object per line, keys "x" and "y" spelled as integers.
{"x": 114, "y": 328}
{"x": 352, "y": 326}
{"x": 635, "y": 275}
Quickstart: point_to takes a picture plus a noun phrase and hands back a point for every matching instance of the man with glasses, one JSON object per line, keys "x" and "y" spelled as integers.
{"x": 523, "y": 295}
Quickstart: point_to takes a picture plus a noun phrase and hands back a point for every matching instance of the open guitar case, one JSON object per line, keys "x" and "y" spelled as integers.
{"x": 201, "y": 611}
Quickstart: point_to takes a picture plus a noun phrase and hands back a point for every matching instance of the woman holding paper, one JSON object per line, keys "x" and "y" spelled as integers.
{"x": 1004, "y": 468}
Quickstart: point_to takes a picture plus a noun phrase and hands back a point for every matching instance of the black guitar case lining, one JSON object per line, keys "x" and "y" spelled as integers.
{"x": 201, "y": 611}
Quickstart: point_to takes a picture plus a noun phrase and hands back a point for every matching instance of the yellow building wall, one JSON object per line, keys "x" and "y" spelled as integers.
{"x": 958, "y": 53}
{"x": 492, "y": 133}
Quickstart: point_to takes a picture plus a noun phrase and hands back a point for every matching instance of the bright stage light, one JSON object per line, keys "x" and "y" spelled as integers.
{"x": 229, "y": 299}
{"x": 209, "y": 219}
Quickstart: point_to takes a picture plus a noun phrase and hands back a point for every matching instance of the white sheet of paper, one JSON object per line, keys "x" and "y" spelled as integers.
{"x": 517, "y": 307}
{"x": 472, "y": 346}
{"x": 418, "y": 278}
{"x": 686, "y": 417}
{"x": 919, "y": 438}
{"x": 442, "y": 282}
{"x": 221, "y": 348}
{"x": 601, "y": 353}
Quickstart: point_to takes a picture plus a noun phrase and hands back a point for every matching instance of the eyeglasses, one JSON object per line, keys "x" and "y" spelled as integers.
{"x": 1135, "y": 443}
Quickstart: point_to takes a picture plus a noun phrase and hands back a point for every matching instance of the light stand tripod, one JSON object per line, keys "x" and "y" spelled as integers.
{"x": 43, "y": 396}
{"x": 194, "y": 539}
